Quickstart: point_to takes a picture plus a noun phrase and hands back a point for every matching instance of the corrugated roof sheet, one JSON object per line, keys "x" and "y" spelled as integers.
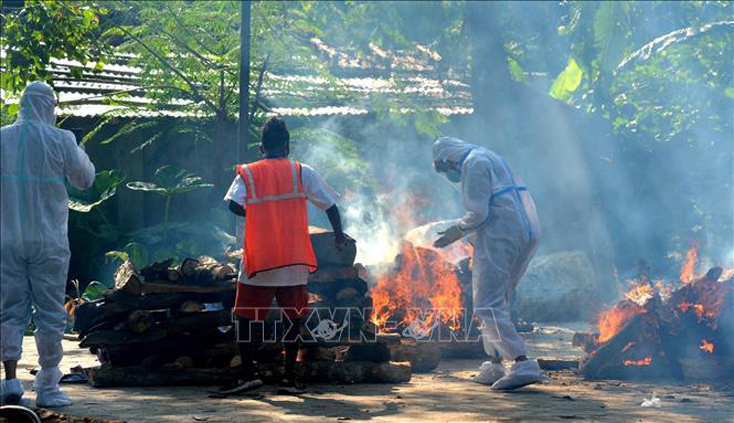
{"x": 290, "y": 94}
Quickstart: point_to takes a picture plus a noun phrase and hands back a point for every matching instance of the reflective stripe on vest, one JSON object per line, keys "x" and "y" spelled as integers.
{"x": 257, "y": 200}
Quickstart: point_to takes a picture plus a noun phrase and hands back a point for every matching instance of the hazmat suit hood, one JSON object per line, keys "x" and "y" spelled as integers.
{"x": 453, "y": 151}
{"x": 37, "y": 103}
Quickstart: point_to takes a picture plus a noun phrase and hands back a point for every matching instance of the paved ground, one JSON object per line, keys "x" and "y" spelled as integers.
{"x": 446, "y": 394}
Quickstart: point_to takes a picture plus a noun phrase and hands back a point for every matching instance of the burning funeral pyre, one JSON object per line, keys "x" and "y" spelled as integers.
{"x": 427, "y": 297}
{"x": 658, "y": 332}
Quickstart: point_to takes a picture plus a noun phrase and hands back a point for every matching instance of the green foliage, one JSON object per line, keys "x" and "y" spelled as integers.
{"x": 169, "y": 181}
{"x": 647, "y": 81}
{"x": 43, "y": 30}
{"x": 134, "y": 252}
{"x": 105, "y": 186}
{"x": 567, "y": 82}
{"x": 94, "y": 291}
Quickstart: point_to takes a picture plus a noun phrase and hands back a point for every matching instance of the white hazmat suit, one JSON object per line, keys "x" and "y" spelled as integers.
{"x": 504, "y": 229}
{"x": 37, "y": 158}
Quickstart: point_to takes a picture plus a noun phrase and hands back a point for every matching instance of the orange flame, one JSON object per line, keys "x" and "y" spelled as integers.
{"x": 701, "y": 310}
{"x": 707, "y": 346}
{"x": 687, "y": 274}
{"x": 641, "y": 293}
{"x": 644, "y": 362}
{"x": 613, "y": 319}
{"x": 424, "y": 286}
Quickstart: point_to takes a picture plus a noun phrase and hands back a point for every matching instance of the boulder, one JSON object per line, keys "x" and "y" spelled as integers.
{"x": 558, "y": 287}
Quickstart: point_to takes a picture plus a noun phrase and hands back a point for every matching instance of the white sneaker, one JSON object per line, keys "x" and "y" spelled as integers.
{"x": 11, "y": 391}
{"x": 522, "y": 373}
{"x": 490, "y": 372}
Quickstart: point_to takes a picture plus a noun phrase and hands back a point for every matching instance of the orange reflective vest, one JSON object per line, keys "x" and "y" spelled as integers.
{"x": 276, "y": 220}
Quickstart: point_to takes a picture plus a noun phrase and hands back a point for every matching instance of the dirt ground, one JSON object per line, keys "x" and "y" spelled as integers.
{"x": 447, "y": 394}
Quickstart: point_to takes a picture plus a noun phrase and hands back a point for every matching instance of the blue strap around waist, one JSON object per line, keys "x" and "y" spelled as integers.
{"x": 510, "y": 188}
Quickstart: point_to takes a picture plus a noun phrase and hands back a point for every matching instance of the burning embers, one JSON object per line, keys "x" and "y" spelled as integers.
{"x": 421, "y": 292}
{"x": 659, "y": 332}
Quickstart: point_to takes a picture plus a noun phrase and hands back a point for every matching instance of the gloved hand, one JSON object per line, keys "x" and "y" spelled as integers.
{"x": 448, "y": 237}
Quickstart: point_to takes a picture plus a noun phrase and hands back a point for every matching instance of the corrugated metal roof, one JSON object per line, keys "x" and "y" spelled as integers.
{"x": 289, "y": 94}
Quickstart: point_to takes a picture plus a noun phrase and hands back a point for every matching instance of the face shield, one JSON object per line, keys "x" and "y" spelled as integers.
{"x": 38, "y": 103}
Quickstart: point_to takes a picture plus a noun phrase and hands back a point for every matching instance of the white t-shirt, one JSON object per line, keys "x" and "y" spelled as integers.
{"x": 319, "y": 193}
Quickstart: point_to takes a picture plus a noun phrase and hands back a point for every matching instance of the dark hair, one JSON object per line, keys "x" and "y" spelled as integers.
{"x": 275, "y": 134}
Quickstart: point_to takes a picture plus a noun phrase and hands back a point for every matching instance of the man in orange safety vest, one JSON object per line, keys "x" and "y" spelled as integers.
{"x": 271, "y": 195}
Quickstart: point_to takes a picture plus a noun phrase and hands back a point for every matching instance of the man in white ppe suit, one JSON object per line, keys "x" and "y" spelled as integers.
{"x": 503, "y": 227}
{"x": 37, "y": 158}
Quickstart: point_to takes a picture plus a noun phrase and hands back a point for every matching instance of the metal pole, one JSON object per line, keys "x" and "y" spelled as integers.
{"x": 244, "y": 84}
{"x": 242, "y": 138}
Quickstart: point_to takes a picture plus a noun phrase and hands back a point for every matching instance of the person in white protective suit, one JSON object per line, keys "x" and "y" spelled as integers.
{"x": 504, "y": 229}
{"x": 37, "y": 158}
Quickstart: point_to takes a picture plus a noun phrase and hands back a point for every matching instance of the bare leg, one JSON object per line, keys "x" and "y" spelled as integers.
{"x": 10, "y": 369}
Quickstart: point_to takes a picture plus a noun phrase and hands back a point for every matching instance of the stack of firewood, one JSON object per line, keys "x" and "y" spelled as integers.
{"x": 172, "y": 325}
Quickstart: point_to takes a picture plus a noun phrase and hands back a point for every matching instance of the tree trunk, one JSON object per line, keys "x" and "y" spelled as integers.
{"x": 492, "y": 88}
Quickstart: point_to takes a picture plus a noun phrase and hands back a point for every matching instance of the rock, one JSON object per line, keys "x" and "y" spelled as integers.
{"x": 558, "y": 288}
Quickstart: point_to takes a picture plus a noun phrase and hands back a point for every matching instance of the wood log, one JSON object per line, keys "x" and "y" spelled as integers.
{"x": 196, "y": 294}
{"x": 127, "y": 279}
{"x": 191, "y": 307}
{"x": 233, "y": 257}
{"x": 188, "y": 267}
{"x": 618, "y": 357}
{"x": 552, "y": 364}
{"x": 207, "y": 261}
{"x": 329, "y": 288}
{"x": 314, "y": 371}
{"x": 164, "y": 288}
{"x": 327, "y": 254}
{"x": 587, "y": 341}
{"x": 173, "y": 275}
{"x": 88, "y": 315}
{"x": 139, "y": 321}
{"x": 204, "y": 321}
{"x": 180, "y": 363}
{"x": 160, "y": 270}
{"x": 603, "y": 356}
{"x": 210, "y": 273}
{"x": 203, "y": 347}
{"x": 423, "y": 356}
{"x": 462, "y": 350}
{"x": 376, "y": 353}
{"x": 332, "y": 274}
{"x": 346, "y": 294}
{"x": 223, "y": 272}
{"x": 320, "y": 353}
